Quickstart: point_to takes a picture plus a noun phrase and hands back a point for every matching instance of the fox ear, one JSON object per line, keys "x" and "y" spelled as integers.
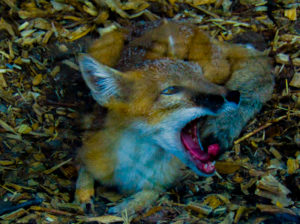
{"x": 101, "y": 79}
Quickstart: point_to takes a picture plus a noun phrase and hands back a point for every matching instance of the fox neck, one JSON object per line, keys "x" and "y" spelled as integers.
{"x": 141, "y": 163}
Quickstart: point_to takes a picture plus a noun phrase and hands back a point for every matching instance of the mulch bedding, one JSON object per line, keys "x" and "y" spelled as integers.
{"x": 43, "y": 100}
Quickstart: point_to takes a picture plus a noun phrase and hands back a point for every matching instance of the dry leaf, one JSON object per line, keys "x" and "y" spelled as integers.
{"x": 225, "y": 167}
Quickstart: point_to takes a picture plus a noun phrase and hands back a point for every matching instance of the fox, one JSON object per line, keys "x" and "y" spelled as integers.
{"x": 176, "y": 98}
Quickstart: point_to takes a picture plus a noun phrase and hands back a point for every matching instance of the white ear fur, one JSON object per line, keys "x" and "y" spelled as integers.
{"x": 101, "y": 79}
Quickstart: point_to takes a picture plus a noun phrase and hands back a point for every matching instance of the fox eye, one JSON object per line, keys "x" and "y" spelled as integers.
{"x": 171, "y": 90}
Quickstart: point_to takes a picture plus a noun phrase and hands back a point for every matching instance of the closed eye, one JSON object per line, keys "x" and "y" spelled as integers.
{"x": 171, "y": 90}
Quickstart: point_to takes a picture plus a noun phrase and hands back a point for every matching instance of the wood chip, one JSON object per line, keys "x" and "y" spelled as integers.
{"x": 269, "y": 187}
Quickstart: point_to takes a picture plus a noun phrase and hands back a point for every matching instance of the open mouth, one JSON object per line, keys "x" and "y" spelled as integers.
{"x": 204, "y": 158}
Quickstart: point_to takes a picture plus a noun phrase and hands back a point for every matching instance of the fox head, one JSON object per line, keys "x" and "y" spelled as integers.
{"x": 164, "y": 100}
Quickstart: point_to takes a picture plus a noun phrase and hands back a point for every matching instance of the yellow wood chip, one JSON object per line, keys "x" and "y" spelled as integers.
{"x": 291, "y": 14}
{"x": 47, "y": 36}
{"x": 17, "y": 187}
{"x": 275, "y": 153}
{"x": 203, "y": 2}
{"x": 6, "y": 26}
{"x": 6, "y": 162}
{"x": 278, "y": 204}
{"x": 90, "y": 8}
{"x": 296, "y": 61}
{"x": 24, "y": 129}
{"x": 292, "y": 165}
{"x": 241, "y": 210}
{"x": 104, "y": 219}
{"x": 238, "y": 179}
{"x": 213, "y": 201}
{"x": 2, "y": 81}
{"x": 204, "y": 210}
{"x": 6, "y": 126}
{"x": 282, "y": 58}
{"x": 80, "y": 32}
{"x": 13, "y": 215}
{"x": 37, "y": 80}
{"x": 35, "y": 126}
{"x": 57, "y": 166}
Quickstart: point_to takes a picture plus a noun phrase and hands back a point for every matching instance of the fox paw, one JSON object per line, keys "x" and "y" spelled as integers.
{"x": 135, "y": 203}
{"x": 221, "y": 130}
{"x": 88, "y": 208}
{"x": 126, "y": 206}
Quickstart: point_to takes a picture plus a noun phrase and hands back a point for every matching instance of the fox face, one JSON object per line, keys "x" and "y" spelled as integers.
{"x": 164, "y": 101}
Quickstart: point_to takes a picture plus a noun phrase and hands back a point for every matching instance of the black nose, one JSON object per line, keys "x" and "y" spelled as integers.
{"x": 233, "y": 96}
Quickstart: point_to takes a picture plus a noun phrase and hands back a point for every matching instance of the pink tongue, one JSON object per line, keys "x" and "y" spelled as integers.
{"x": 213, "y": 149}
{"x": 202, "y": 159}
{"x": 194, "y": 148}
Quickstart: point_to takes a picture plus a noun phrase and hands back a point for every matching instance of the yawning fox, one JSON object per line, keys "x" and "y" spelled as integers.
{"x": 166, "y": 92}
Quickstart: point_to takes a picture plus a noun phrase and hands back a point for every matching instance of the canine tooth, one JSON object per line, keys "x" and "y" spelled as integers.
{"x": 198, "y": 137}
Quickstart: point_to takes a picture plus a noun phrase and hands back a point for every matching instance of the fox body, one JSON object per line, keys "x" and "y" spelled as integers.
{"x": 166, "y": 91}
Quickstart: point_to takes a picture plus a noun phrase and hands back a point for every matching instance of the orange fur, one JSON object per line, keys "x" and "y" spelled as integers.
{"x": 114, "y": 41}
{"x": 100, "y": 160}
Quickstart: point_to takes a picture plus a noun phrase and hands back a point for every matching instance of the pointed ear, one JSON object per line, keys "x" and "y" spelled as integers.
{"x": 101, "y": 79}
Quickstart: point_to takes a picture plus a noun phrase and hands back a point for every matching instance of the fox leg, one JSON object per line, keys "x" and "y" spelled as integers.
{"x": 85, "y": 190}
{"x": 255, "y": 83}
{"x": 136, "y": 202}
